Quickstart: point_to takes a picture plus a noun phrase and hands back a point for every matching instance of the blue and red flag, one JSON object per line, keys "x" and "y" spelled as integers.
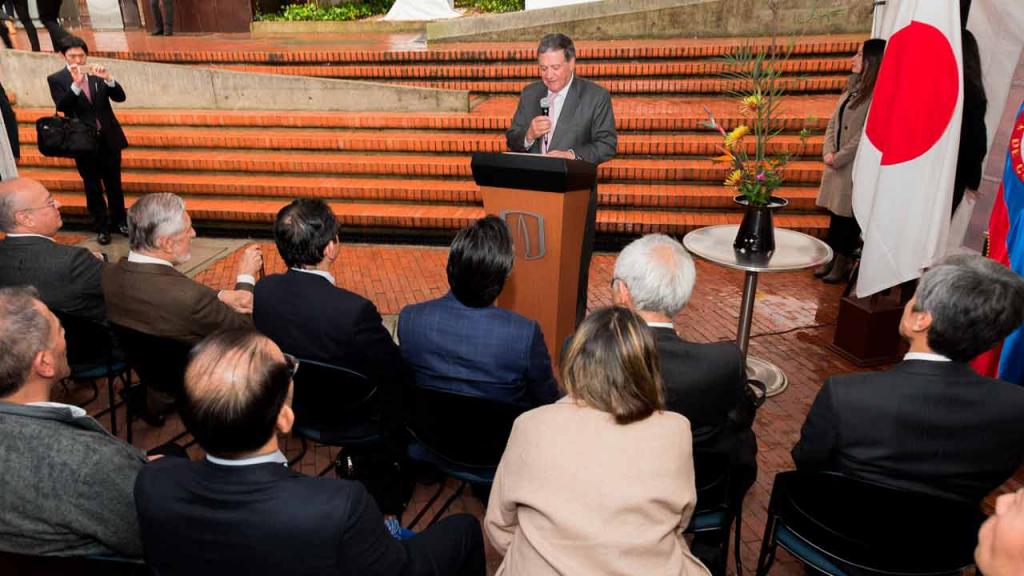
{"x": 1006, "y": 245}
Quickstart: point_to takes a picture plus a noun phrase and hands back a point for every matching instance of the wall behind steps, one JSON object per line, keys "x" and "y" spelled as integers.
{"x": 611, "y": 19}
{"x": 151, "y": 85}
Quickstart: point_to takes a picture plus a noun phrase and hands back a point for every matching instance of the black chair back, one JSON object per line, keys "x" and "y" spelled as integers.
{"x": 711, "y": 472}
{"x": 465, "y": 430}
{"x": 876, "y": 527}
{"x": 160, "y": 362}
{"x": 332, "y": 403}
{"x": 89, "y": 343}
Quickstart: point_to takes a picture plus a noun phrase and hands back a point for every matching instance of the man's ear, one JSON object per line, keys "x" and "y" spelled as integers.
{"x": 621, "y": 295}
{"x": 920, "y": 321}
{"x": 332, "y": 250}
{"x": 44, "y": 364}
{"x": 285, "y": 419}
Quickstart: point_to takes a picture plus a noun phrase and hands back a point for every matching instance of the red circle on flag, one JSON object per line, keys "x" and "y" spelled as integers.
{"x": 915, "y": 94}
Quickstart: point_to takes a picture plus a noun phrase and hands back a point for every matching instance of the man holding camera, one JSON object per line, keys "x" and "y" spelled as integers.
{"x": 85, "y": 92}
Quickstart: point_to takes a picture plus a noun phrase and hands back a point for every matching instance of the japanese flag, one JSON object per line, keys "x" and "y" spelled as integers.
{"x": 905, "y": 165}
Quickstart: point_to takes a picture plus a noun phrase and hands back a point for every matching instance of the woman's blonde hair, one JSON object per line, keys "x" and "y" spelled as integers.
{"x": 612, "y": 365}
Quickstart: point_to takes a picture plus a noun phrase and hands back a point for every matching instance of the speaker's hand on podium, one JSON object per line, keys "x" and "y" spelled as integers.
{"x": 561, "y": 154}
{"x": 539, "y": 126}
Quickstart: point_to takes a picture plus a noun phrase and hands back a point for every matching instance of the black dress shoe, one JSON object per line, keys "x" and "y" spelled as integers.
{"x": 123, "y": 230}
{"x": 103, "y": 238}
{"x": 157, "y": 33}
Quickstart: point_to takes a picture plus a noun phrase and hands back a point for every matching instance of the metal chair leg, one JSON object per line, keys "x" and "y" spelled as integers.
{"x": 426, "y": 507}
{"x": 738, "y": 521}
{"x": 766, "y": 556}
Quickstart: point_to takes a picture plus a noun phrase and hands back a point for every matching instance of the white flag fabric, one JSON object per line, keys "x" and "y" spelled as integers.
{"x": 421, "y": 10}
{"x": 905, "y": 165}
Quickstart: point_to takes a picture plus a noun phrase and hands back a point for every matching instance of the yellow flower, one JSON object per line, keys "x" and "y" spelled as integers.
{"x": 736, "y": 135}
{"x": 750, "y": 104}
{"x": 734, "y": 178}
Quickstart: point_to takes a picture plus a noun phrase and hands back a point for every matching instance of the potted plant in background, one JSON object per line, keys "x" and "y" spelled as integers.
{"x": 752, "y": 169}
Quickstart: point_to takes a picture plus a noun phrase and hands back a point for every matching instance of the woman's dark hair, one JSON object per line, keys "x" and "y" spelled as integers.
{"x": 872, "y": 61}
{"x": 72, "y": 42}
{"x": 611, "y": 365}
{"x": 303, "y": 230}
{"x": 234, "y": 391}
{"x": 479, "y": 261}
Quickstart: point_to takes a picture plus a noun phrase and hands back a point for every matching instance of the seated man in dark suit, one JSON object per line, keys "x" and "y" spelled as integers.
{"x": 146, "y": 293}
{"x": 654, "y": 276}
{"x": 67, "y": 277}
{"x": 305, "y": 313}
{"x": 67, "y": 483}
{"x": 462, "y": 343}
{"x": 242, "y": 511}
{"x": 930, "y": 423}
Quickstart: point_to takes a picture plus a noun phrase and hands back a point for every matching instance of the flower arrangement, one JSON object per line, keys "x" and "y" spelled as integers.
{"x": 755, "y": 173}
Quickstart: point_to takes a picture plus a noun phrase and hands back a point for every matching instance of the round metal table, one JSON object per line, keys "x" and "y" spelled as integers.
{"x": 793, "y": 251}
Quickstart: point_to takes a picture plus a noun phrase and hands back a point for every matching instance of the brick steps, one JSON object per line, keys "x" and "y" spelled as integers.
{"x": 602, "y": 71}
{"x": 702, "y": 144}
{"x": 612, "y": 194}
{"x": 391, "y": 216}
{"x": 524, "y": 52}
{"x": 813, "y": 84}
{"x": 631, "y": 113}
{"x": 630, "y": 169}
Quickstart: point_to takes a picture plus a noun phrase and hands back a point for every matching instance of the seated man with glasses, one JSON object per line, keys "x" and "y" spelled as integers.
{"x": 66, "y": 277}
{"x": 241, "y": 510}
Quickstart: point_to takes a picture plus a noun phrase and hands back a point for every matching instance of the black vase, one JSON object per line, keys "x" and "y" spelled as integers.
{"x": 755, "y": 239}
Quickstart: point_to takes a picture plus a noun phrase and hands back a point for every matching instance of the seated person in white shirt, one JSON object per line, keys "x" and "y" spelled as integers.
{"x": 930, "y": 423}
{"x": 66, "y": 277}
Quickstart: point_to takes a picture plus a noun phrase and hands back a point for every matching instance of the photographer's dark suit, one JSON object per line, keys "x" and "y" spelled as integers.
{"x": 101, "y": 171}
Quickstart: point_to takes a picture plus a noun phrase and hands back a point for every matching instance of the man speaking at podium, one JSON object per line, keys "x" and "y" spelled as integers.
{"x": 566, "y": 117}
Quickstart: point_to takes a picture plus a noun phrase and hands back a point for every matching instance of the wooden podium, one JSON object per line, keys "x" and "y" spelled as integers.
{"x": 544, "y": 203}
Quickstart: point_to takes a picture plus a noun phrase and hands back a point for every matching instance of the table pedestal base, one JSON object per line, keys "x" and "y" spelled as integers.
{"x": 773, "y": 377}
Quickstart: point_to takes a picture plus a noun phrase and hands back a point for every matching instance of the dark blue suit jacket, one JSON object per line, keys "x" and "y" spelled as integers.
{"x": 484, "y": 352}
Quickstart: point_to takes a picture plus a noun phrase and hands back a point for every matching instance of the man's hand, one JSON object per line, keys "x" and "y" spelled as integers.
{"x": 829, "y": 158}
{"x": 974, "y": 195}
{"x": 251, "y": 261}
{"x": 77, "y": 75}
{"x": 102, "y": 73}
{"x": 539, "y": 126}
{"x": 238, "y": 300}
{"x": 561, "y": 154}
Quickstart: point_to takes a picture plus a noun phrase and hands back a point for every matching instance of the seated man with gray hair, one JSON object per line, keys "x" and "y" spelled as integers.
{"x": 146, "y": 293}
{"x": 67, "y": 277}
{"x": 654, "y": 275}
{"x": 930, "y": 423}
{"x": 67, "y": 483}
{"x": 241, "y": 510}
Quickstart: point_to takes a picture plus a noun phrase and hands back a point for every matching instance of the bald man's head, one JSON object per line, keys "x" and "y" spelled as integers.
{"x": 27, "y": 207}
{"x": 235, "y": 386}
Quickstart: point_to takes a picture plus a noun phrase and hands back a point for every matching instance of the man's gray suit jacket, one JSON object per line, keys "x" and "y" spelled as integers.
{"x": 586, "y": 124}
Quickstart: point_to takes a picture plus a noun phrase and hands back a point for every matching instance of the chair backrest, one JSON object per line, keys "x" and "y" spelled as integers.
{"x": 877, "y": 527}
{"x": 328, "y": 397}
{"x": 90, "y": 343}
{"x": 712, "y": 475}
{"x": 465, "y": 430}
{"x": 160, "y": 362}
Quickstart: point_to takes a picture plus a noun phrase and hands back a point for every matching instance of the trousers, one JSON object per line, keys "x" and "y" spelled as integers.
{"x": 452, "y": 547}
{"x": 101, "y": 173}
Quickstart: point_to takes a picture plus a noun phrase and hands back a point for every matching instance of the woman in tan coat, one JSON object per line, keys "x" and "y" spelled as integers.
{"x": 600, "y": 482}
{"x": 840, "y": 148}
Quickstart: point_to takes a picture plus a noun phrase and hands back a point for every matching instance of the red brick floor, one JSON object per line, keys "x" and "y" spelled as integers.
{"x": 793, "y": 322}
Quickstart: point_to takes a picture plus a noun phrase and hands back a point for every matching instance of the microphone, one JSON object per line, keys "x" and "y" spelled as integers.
{"x": 545, "y": 109}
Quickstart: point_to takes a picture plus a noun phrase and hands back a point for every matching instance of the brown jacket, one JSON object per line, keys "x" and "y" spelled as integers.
{"x": 836, "y": 192}
{"x": 576, "y": 493}
{"x": 160, "y": 300}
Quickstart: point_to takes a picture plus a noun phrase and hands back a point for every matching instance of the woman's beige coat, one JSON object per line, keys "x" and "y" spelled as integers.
{"x": 578, "y": 494}
{"x": 836, "y": 192}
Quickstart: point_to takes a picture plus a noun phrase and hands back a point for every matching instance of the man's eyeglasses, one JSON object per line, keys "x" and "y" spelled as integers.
{"x": 292, "y": 364}
{"x": 51, "y": 202}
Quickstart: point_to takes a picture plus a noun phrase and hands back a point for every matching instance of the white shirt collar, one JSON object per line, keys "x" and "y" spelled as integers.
{"x": 929, "y": 356}
{"x": 76, "y": 411}
{"x": 275, "y": 457}
{"x": 661, "y": 325}
{"x": 565, "y": 89}
{"x": 28, "y": 235}
{"x": 143, "y": 259}
{"x": 322, "y": 273}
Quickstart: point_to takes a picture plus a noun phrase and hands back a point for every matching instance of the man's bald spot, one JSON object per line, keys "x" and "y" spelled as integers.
{"x": 664, "y": 256}
{"x": 223, "y": 378}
